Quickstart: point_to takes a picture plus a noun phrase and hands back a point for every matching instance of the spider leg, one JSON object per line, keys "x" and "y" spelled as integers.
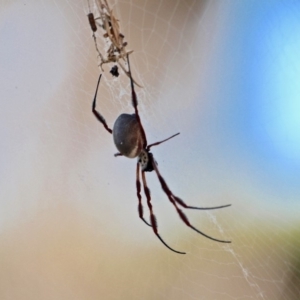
{"x": 135, "y": 104}
{"x": 180, "y": 202}
{"x": 172, "y": 200}
{"x": 138, "y": 192}
{"x": 118, "y": 154}
{"x": 96, "y": 113}
{"x": 152, "y": 216}
{"x": 157, "y": 143}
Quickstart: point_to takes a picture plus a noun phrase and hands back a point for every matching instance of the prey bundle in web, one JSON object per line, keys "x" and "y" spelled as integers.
{"x": 116, "y": 52}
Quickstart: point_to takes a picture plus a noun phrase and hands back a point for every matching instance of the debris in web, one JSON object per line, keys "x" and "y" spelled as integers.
{"x": 116, "y": 52}
{"x": 114, "y": 71}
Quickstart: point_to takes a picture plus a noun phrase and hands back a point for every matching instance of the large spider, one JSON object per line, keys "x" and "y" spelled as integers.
{"x": 130, "y": 139}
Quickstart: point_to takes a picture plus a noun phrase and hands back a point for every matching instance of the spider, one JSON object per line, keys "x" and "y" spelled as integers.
{"x": 130, "y": 139}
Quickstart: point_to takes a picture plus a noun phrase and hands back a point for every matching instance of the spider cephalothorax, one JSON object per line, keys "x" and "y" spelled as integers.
{"x": 145, "y": 159}
{"x": 130, "y": 139}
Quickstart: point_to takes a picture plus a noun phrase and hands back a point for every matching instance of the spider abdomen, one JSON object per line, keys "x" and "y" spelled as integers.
{"x": 127, "y": 135}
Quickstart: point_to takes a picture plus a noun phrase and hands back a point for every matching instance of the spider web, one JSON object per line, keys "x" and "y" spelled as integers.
{"x": 69, "y": 227}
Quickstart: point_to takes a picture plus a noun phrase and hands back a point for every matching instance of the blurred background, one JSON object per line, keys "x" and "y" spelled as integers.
{"x": 225, "y": 74}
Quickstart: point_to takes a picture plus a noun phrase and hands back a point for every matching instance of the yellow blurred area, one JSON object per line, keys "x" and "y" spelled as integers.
{"x": 63, "y": 254}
